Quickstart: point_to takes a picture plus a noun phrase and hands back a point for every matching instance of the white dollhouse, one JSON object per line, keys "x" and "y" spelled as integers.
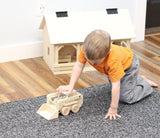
{"x": 64, "y": 33}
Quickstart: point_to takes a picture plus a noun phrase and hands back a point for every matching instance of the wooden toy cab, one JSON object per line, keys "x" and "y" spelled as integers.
{"x": 60, "y": 103}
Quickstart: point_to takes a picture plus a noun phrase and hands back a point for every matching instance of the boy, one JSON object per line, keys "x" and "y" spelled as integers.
{"x": 121, "y": 66}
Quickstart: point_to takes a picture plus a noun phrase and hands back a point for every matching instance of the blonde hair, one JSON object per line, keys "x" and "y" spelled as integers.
{"x": 97, "y": 44}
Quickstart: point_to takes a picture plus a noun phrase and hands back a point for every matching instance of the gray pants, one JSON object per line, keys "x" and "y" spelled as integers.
{"x": 133, "y": 88}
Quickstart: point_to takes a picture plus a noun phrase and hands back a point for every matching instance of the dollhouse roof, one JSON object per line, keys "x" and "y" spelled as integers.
{"x": 77, "y": 25}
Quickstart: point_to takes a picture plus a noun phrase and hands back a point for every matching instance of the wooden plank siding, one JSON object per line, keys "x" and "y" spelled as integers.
{"x": 31, "y": 77}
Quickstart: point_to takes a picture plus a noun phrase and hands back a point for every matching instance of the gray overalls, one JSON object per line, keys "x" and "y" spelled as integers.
{"x": 133, "y": 88}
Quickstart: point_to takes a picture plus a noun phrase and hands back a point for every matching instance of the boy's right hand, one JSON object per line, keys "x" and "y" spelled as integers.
{"x": 63, "y": 88}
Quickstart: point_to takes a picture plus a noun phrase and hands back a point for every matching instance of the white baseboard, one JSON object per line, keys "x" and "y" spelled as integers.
{"x": 19, "y": 52}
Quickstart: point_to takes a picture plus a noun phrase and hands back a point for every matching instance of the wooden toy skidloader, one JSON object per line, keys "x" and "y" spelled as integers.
{"x": 60, "y": 103}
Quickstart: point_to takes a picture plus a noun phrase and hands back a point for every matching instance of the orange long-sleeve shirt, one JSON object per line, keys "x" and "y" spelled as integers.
{"x": 114, "y": 64}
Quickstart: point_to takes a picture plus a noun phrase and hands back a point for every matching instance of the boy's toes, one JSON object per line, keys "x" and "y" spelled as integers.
{"x": 153, "y": 84}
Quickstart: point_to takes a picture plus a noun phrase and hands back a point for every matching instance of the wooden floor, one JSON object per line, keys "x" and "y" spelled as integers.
{"x": 31, "y": 77}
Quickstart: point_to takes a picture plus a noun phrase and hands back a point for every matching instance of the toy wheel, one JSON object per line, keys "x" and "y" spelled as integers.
{"x": 65, "y": 111}
{"x": 75, "y": 108}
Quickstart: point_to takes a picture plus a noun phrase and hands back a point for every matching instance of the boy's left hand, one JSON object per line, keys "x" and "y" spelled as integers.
{"x": 112, "y": 113}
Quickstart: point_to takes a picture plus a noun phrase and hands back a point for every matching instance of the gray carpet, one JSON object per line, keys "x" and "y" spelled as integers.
{"x": 140, "y": 120}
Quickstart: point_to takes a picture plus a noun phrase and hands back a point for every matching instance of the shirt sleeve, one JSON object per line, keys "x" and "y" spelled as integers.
{"x": 115, "y": 71}
{"x": 81, "y": 57}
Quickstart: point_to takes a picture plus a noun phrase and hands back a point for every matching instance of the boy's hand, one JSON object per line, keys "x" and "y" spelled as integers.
{"x": 63, "y": 88}
{"x": 112, "y": 113}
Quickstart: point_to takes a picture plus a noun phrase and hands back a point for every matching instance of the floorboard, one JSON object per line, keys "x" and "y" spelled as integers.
{"x": 31, "y": 77}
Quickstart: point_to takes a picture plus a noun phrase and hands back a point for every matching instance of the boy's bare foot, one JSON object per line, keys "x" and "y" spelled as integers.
{"x": 152, "y": 83}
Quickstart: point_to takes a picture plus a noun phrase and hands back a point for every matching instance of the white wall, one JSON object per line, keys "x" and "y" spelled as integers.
{"x": 86, "y": 5}
{"x": 139, "y": 19}
{"x": 19, "y": 20}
